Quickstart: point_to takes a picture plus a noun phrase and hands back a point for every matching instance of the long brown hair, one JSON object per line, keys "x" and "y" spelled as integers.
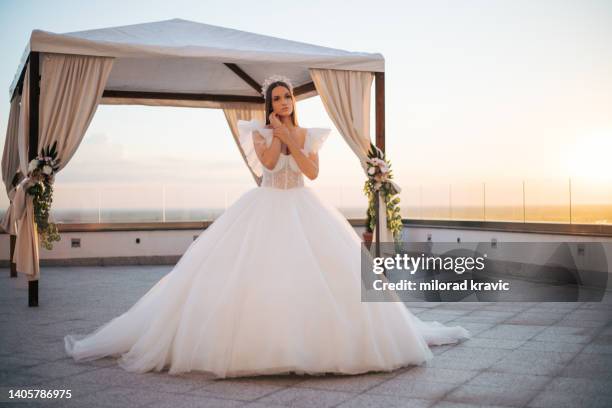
{"x": 269, "y": 102}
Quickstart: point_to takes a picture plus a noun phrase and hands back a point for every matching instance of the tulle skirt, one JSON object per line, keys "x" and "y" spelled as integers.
{"x": 272, "y": 286}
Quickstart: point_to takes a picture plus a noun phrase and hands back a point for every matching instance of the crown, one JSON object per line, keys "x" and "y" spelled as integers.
{"x": 275, "y": 78}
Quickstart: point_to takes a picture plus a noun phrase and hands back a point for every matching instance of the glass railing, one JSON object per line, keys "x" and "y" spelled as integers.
{"x": 551, "y": 201}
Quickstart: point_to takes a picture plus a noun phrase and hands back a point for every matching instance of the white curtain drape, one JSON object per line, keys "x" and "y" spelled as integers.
{"x": 70, "y": 90}
{"x": 10, "y": 162}
{"x": 346, "y": 98}
{"x": 234, "y": 113}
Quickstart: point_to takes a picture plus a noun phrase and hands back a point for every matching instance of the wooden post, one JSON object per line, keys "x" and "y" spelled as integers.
{"x": 379, "y": 85}
{"x": 12, "y": 253}
{"x": 33, "y": 146}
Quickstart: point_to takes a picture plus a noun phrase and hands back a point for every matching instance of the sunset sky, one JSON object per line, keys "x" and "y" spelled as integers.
{"x": 477, "y": 91}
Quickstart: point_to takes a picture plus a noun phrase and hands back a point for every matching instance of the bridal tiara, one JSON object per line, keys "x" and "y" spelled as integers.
{"x": 275, "y": 78}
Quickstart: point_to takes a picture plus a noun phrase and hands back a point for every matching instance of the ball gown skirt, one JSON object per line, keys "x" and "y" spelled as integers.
{"x": 272, "y": 286}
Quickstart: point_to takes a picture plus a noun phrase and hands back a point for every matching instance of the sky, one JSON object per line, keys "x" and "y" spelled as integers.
{"x": 483, "y": 91}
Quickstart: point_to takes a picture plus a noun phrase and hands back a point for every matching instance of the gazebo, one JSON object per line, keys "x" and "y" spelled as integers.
{"x": 62, "y": 78}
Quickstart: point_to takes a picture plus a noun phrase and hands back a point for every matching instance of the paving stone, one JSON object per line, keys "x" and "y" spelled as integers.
{"x": 538, "y": 354}
{"x": 433, "y": 315}
{"x": 407, "y": 387}
{"x": 512, "y": 332}
{"x": 444, "y": 375}
{"x": 449, "y": 404}
{"x": 594, "y": 348}
{"x": 462, "y": 363}
{"x": 596, "y": 315}
{"x": 517, "y": 382}
{"x": 192, "y": 401}
{"x": 519, "y": 366}
{"x": 437, "y": 350}
{"x": 585, "y": 365}
{"x": 580, "y": 386}
{"x": 473, "y": 327}
{"x": 538, "y": 319}
{"x": 355, "y": 384}
{"x": 490, "y": 354}
{"x": 306, "y": 398}
{"x": 116, "y": 397}
{"x": 483, "y": 343}
{"x": 498, "y": 315}
{"x": 551, "y": 346}
{"x": 384, "y": 401}
{"x": 566, "y": 334}
{"x": 555, "y": 399}
{"x": 236, "y": 390}
{"x": 13, "y": 362}
{"x": 472, "y": 394}
{"x": 56, "y": 369}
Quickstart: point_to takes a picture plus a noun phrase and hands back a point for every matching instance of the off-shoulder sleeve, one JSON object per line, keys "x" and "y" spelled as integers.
{"x": 245, "y": 133}
{"x": 315, "y": 139}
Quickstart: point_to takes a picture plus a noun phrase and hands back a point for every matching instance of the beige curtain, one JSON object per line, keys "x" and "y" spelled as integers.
{"x": 70, "y": 91}
{"x": 346, "y": 97}
{"x": 10, "y": 162}
{"x": 245, "y": 111}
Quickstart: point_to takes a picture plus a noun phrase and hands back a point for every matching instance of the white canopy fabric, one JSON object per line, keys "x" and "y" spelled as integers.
{"x": 188, "y": 57}
{"x": 167, "y": 60}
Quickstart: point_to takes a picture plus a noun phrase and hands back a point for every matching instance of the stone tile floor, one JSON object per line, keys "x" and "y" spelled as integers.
{"x": 522, "y": 355}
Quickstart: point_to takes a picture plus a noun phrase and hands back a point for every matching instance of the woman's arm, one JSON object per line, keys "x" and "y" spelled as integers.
{"x": 268, "y": 156}
{"x": 309, "y": 164}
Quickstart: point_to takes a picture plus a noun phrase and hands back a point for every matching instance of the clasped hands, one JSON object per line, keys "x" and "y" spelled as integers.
{"x": 281, "y": 131}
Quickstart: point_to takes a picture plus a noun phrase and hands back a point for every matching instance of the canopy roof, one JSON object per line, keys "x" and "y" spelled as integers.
{"x": 180, "y": 56}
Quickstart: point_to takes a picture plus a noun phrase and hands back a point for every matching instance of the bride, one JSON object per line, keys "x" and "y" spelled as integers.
{"x": 272, "y": 286}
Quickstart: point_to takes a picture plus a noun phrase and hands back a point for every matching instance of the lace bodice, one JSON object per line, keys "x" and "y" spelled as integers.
{"x": 286, "y": 173}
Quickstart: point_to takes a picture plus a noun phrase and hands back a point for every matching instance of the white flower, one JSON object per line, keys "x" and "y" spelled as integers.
{"x": 371, "y": 171}
{"x": 33, "y": 164}
{"x": 379, "y": 162}
{"x": 47, "y": 170}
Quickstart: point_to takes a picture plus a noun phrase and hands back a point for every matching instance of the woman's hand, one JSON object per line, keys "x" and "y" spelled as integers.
{"x": 282, "y": 133}
{"x": 274, "y": 120}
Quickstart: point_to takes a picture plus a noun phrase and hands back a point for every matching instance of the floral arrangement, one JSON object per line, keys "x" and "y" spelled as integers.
{"x": 41, "y": 172}
{"x": 380, "y": 181}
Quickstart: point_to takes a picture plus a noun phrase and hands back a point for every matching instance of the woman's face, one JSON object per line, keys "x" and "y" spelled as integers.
{"x": 282, "y": 104}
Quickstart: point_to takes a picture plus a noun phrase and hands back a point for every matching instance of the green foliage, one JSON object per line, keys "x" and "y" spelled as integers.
{"x": 378, "y": 182}
{"x": 42, "y": 195}
{"x": 42, "y": 171}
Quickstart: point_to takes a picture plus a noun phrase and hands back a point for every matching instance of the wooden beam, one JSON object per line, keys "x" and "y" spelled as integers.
{"x": 302, "y": 89}
{"x": 379, "y": 78}
{"x": 182, "y": 96}
{"x": 33, "y": 146}
{"x": 244, "y": 76}
{"x": 19, "y": 87}
{"x": 109, "y": 93}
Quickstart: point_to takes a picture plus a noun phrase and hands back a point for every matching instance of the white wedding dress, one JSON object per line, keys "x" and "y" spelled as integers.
{"x": 272, "y": 286}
